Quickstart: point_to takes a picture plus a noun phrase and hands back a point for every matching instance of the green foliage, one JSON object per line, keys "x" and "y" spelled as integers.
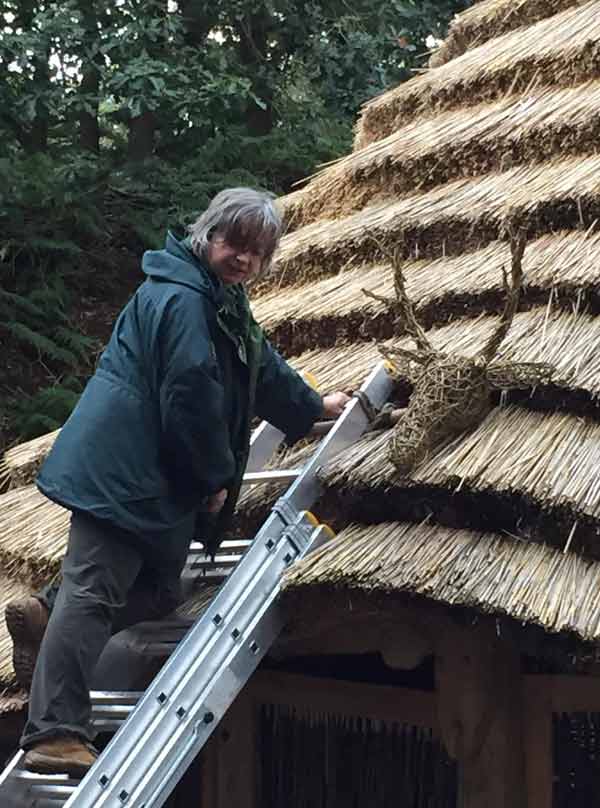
{"x": 118, "y": 120}
{"x": 46, "y": 409}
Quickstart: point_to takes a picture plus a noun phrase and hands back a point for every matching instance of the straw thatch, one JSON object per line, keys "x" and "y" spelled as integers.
{"x": 21, "y": 463}
{"x": 499, "y": 574}
{"x": 492, "y": 18}
{"x": 517, "y": 458}
{"x": 33, "y": 535}
{"x": 425, "y": 153}
{"x": 335, "y": 309}
{"x": 462, "y": 215}
{"x": 567, "y": 341}
{"x": 559, "y": 51}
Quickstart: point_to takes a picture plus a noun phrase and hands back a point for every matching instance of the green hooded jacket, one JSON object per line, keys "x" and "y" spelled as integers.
{"x": 165, "y": 420}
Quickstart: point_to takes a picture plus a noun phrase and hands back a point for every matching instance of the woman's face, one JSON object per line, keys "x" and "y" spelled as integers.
{"x": 233, "y": 264}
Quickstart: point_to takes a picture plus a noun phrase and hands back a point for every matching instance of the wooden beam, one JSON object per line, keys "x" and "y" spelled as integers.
{"x": 566, "y": 694}
{"x": 384, "y": 702}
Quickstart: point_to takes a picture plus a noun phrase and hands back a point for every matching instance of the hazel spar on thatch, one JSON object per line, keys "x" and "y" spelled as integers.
{"x": 491, "y": 18}
{"x": 451, "y": 393}
{"x": 425, "y": 153}
{"x": 561, "y": 51}
{"x": 498, "y": 574}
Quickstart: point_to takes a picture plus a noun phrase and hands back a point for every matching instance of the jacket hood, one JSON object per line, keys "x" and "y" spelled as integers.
{"x": 178, "y": 264}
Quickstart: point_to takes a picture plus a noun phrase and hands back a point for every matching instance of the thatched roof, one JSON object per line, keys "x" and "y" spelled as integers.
{"x": 496, "y": 574}
{"x": 20, "y": 464}
{"x": 491, "y": 18}
{"x": 429, "y": 152}
{"x": 504, "y": 133}
{"x": 501, "y": 133}
{"x": 560, "y": 50}
{"x": 449, "y": 220}
{"x": 563, "y": 266}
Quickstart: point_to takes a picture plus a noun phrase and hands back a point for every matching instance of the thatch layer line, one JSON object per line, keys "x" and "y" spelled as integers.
{"x": 492, "y": 18}
{"x": 21, "y": 463}
{"x": 463, "y": 215}
{"x": 551, "y": 458}
{"x": 561, "y": 50}
{"x": 568, "y": 341}
{"x": 427, "y": 153}
{"x": 565, "y": 267}
{"x": 532, "y": 583}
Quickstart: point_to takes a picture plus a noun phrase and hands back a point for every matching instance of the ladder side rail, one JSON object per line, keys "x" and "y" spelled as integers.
{"x": 346, "y": 430}
{"x": 264, "y": 441}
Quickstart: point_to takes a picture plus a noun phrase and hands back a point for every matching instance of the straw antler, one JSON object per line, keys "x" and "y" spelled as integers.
{"x": 512, "y": 292}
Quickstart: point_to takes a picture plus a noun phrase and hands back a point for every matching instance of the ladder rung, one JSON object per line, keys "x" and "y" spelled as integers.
{"x": 274, "y": 476}
{"x": 220, "y": 561}
{"x": 232, "y": 545}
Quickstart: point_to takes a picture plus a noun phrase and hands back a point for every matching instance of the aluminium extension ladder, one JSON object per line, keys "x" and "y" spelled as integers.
{"x": 161, "y": 731}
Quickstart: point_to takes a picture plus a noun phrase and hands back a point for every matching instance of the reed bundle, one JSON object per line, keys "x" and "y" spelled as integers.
{"x": 21, "y": 463}
{"x": 492, "y": 18}
{"x": 551, "y": 458}
{"x": 561, "y": 50}
{"x": 462, "y": 215}
{"x": 10, "y": 589}
{"x": 530, "y": 582}
{"x": 334, "y": 309}
{"x": 195, "y": 605}
{"x": 33, "y": 535}
{"x": 425, "y": 153}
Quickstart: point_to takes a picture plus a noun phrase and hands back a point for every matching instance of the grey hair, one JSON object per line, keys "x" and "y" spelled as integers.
{"x": 242, "y": 216}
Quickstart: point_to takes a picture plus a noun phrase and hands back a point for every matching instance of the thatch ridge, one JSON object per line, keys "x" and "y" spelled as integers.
{"x": 497, "y": 574}
{"x": 492, "y": 18}
{"x": 547, "y": 461}
{"x": 461, "y": 216}
{"x": 334, "y": 309}
{"x": 561, "y": 50}
{"x": 428, "y": 153}
{"x": 20, "y": 464}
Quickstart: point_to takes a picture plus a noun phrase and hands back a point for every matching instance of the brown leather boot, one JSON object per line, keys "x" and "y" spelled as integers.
{"x": 26, "y": 621}
{"x": 65, "y": 754}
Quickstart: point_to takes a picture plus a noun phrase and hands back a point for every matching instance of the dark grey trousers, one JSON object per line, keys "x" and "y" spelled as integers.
{"x": 109, "y": 581}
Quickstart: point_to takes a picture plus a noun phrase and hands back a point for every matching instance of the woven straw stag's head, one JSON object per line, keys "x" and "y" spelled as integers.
{"x": 451, "y": 393}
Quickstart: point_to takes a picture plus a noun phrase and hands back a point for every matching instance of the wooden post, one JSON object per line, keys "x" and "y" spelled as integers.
{"x": 479, "y": 704}
{"x": 229, "y": 761}
{"x": 538, "y": 741}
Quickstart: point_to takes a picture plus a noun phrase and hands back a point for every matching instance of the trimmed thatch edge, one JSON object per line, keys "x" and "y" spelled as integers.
{"x": 349, "y": 185}
{"x": 432, "y": 91}
{"x": 477, "y": 25}
{"x": 295, "y": 336}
